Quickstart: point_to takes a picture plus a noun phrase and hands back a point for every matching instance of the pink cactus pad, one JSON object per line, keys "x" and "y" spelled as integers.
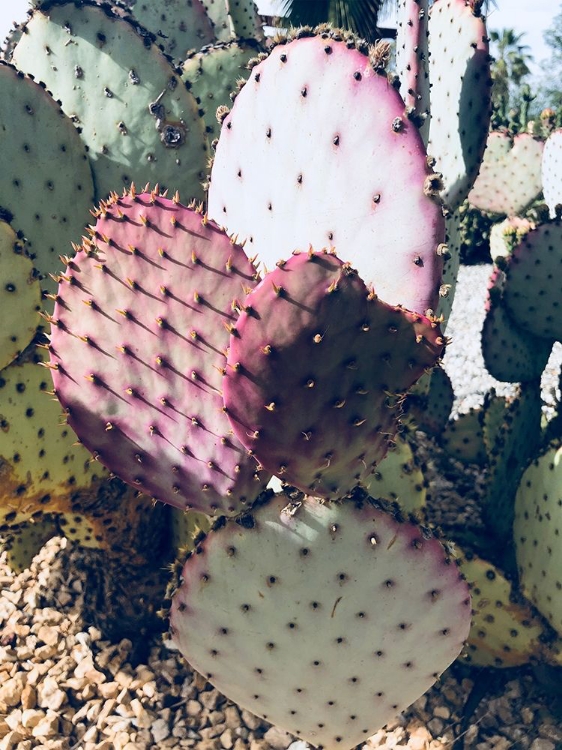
{"x": 317, "y": 150}
{"x": 326, "y": 619}
{"x": 314, "y": 365}
{"x": 141, "y": 322}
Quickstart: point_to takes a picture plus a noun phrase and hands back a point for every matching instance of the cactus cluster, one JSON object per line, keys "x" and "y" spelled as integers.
{"x": 274, "y": 325}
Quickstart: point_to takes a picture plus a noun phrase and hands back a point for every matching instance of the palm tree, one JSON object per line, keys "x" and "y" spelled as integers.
{"x": 359, "y": 16}
{"x": 509, "y": 70}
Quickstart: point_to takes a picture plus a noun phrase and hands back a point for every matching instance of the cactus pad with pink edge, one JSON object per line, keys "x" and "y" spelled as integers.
{"x": 347, "y": 170}
{"x": 326, "y": 619}
{"x": 140, "y": 327}
{"x": 314, "y": 369}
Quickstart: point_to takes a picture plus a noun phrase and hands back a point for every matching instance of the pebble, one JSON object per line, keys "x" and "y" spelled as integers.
{"x": 542, "y": 744}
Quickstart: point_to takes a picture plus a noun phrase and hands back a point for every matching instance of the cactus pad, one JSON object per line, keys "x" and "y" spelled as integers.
{"x": 510, "y": 174}
{"x": 324, "y": 179}
{"x": 505, "y": 236}
{"x": 213, "y": 73}
{"x": 399, "y": 477}
{"x": 22, "y": 544}
{"x": 510, "y": 354}
{"x": 505, "y": 631}
{"x": 516, "y": 442}
{"x": 179, "y": 25}
{"x": 325, "y": 619}
{"x": 95, "y": 62}
{"x": 312, "y": 367}
{"x": 537, "y": 529}
{"x": 45, "y": 181}
{"x": 463, "y": 438}
{"x": 20, "y": 297}
{"x": 459, "y": 97}
{"x": 551, "y": 171}
{"x": 532, "y": 289}
{"x": 141, "y": 322}
{"x": 431, "y": 407}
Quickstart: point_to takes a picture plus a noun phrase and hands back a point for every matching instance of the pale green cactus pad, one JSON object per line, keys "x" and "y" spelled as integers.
{"x": 212, "y": 75}
{"x": 451, "y": 253}
{"x": 516, "y": 442}
{"x": 179, "y": 25}
{"x": 506, "y": 235}
{"x": 536, "y": 531}
{"x": 138, "y": 119}
{"x": 463, "y": 438}
{"x": 20, "y": 296}
{"x": 505, "y": 631}
{"x": 399, "y": 477}
{"x": 510, "y": 175}
{"x": 45, "y": 181}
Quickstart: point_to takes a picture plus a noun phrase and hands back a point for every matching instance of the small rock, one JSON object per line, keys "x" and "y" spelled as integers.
{"x": 160, "y": 730}
{"x": 11, "y": 740}
{"x": 542, "y": 744}
{"x": 442, "y": 712}
{"x": 550, "y": 732}
{"x": 227, "y": 739}
{"x": 49, "y": 695}
{"x": 435, "y": 727}
{"x": 47, "y": 727}
{"x": 11, "y": 690}
{"x": 31, "y": 717}
{"x": 193, "y": 708}
{"x": 277, "y": 738}
{"x": 251, "y": 721}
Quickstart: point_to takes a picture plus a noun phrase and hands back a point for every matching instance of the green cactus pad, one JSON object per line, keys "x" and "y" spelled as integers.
{"x": 179, "y": 25}
{"x": 505, "y": 631}
{"x": 510, "y": 353}
{"x": 212, "y": 75}
{"x": 399, "y": 477}
{"x": 45, "y": 181}
{"x": 20, "y": 297}
{"x": 244, "y": 19}
{"x": 24, "y": 542}
{"x": 41, "y": 466}
{"x": 326, "y": 619}
{"x": 516, "y": 442}
{"x": 218, "y": 14}
{"x": 537, "y": 529}
{"x": 431, "y": 409}
{"x": 138, "y": 120}
{"x": 459, "y": 97}
{"x": 532, "y": 289}
{"x": 451, "y": 254}
{"x": 491, "y": 418}
{"x": 463, "y": 439}
{"x": 187, "y": 526}
{"x": 510, "y": 174}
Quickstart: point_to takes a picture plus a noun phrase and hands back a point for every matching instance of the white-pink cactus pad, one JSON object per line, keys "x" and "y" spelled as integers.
{"x": 317, "y": 151}
{"x": 325, "y": 619}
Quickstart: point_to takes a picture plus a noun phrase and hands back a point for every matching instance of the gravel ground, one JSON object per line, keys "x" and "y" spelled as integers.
{"x": 65, "y": 686}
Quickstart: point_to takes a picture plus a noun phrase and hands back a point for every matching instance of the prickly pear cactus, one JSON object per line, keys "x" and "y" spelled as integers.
{"x": 510, "y": 176}
{"x": 460, "y": 99}
{"x": 506, "y": 631}
{"x": 510, "y": 353}
{"x": 142, "y": 318}
{"x": 430, "y": 407}
{"x": 212, "y": 74}
{"x": 94, "y": 61}
{"x": 23, "y": 542}
{"x": 532, "y": 287}
{"x": 463, "y": 438}
{"x": 536, "y": 532}
{"x": 336, "y": 177}
{"x": 20, "y": 296}
{"x": 412, "y": 58}
{"x": 179, "y": 26}
{"x": 551, "y": 171}
{"x": 312, "y": 368}
{"x": 46, "y": 185}
{"x": 400, "y": 477}
{"x": 303, "y": 613}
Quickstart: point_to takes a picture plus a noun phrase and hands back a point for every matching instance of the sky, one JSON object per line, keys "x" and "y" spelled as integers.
{"x": 529, "y": 16}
